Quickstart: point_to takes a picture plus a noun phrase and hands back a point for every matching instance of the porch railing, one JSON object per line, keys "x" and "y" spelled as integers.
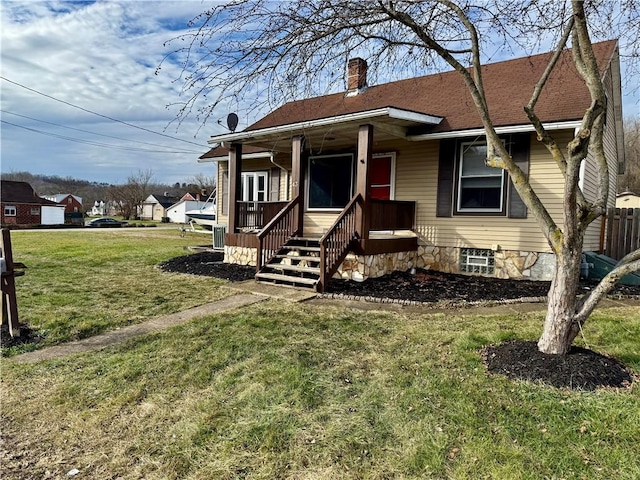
{"x": 336, "y": 243}
{"x": 255, "y": 215}
{"x": 276, "y": 233}
{"x": 392, "y": 215}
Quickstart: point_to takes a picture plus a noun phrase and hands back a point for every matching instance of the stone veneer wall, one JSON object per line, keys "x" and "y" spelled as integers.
{"x": 508, "y": 263}
{"x": 240, "y": 255}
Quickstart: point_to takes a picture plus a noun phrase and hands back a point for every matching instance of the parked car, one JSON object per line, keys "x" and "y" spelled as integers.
{"x": 106, "y": 222}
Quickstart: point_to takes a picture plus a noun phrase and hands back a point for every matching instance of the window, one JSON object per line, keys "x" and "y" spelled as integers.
{"x": 253, "y": 187}
{"x": 475, "y": 260}
{"x": 480, "y": 188}
{"x": 330, "y": 181}
{"x": 35, "y": 210}
{"x": 9, "y": 211}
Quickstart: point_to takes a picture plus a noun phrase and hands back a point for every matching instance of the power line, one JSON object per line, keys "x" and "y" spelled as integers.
{"x": 98, "y": 114}
{"x": 92, "y": 133}
{"x": 88, "y": 142}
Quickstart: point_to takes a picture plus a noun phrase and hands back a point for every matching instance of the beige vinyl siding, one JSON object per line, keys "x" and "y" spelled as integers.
{"x": 417, "y": 177}
{"x": 591, "y": 182}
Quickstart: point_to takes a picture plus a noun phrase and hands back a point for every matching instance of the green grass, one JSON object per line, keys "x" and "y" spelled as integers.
{"x": 81, "y": 283}
{"x": 291, "y": 391}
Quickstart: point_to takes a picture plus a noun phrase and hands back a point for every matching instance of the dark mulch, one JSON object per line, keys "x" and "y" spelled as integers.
{"x": 580, "y": 369}
{"x": 208, "y": 264}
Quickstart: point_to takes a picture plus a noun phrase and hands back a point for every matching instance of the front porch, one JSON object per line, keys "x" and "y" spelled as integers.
{"x": 265, "y": 232}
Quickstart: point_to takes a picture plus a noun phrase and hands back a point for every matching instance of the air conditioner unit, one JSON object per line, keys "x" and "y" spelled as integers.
{"x": 218, "y": 236}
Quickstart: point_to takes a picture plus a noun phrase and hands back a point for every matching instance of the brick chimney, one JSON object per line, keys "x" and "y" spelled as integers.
{"x": 356, "y": 76}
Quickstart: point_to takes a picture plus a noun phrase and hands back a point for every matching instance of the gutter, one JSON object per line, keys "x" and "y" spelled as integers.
{"x": 390, "y": 112}
{"x": 499, "y": 130}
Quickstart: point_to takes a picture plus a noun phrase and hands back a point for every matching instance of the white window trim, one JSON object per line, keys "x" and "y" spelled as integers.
{"x": 255, "y": 175}
{"x": 308, "y": 182}
{"x": 392, "y": 192}
{"x": 10, "y": 207}
{"x": 463, "y": 147}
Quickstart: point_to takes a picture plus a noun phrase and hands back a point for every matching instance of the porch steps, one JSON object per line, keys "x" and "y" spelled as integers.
{"x": 297, "y": 264}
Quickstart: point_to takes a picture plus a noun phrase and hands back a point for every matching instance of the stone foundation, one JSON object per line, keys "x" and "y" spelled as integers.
{"x": 513, "y": 264}
{"x": 240, "y": 255}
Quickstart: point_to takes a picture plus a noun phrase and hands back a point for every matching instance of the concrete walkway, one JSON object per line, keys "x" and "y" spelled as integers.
{"x": 155, "y": 325}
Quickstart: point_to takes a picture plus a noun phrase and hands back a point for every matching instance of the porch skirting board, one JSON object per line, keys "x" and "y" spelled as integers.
{"x": 513, "y": 264}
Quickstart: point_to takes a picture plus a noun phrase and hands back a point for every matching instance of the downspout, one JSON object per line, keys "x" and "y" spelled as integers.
{"x": 286, "y": 174}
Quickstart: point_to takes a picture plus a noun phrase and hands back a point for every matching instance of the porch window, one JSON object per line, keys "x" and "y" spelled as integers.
{"x": 9, "y": 210}
{"x": 330, "y": 181}
{"x": 480, "y": 188}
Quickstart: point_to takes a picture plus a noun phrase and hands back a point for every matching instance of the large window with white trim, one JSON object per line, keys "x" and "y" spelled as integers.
{"x": 330, "y": 184}
{"x": 9, "y": 210}
{"x": 480, "y": 188}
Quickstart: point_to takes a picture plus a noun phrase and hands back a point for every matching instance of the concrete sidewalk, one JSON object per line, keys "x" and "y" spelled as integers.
{"x": 155, "y": 325}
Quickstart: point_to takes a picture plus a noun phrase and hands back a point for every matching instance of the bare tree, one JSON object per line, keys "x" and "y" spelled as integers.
{"x": 285, "y": 47}
{"x": 204, "y": 184}
{"x": 129, "y": 197}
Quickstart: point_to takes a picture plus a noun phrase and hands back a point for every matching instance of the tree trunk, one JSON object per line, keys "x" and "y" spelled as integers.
{"x": 560, "y": 329}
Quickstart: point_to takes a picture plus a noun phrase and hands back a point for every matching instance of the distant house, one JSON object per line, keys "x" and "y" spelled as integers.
{"x": 189, "y": 201}
{"x": 628, "y": 200}
{"x": 72, "y": 203}
{"x": 72, "y": 207}
{"x": 98, "y": 209}
{"x": 155, "y": 206}
{"x": 22, "y": 206}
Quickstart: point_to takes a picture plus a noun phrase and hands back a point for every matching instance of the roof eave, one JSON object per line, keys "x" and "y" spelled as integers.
{"x": 570, "y": 124}
{"x": 391, "y": 112}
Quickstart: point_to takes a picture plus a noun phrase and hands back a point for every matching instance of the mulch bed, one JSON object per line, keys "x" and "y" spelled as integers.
{"x": 580, "y": 369}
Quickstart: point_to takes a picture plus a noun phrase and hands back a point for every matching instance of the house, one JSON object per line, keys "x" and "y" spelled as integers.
{"x": 628, "y": 200}
{"x": 155, "y": 206}
{"x": 98, "y": 209}
{"x": 189, "y": 201}
{"x": 390, "y": 177}
{"x": 72, "y": 207}
{"x": 22, "y": 206}
{"x": 72, "y": 203}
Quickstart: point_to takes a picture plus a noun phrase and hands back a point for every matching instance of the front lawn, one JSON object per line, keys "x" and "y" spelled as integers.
{"x": 286, "y": 391}
{"x": 281, "y": 390}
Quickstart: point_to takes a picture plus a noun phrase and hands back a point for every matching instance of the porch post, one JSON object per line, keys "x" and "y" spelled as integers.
{"x": 298, "y": 168}
{"x": 365, "y": 146}
{"x": 235, "y": 177}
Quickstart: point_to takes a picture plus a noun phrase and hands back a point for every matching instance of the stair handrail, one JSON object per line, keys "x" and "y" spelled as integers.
{"x": 336, "y": 243}
{"x": 275, "y": 233}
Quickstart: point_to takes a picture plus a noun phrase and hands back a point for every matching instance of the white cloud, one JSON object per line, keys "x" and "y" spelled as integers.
{"x": 101, "y": 56}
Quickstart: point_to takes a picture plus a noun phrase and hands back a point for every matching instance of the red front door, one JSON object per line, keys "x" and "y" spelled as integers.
{"x": 380, "y": 187}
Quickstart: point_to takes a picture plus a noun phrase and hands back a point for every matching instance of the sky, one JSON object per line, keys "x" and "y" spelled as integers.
{"x": 100, "y": 56}
{"x": 61, "y": 60}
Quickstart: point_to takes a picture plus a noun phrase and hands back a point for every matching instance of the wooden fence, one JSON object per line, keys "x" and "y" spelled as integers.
{"x": 623, "y": 232}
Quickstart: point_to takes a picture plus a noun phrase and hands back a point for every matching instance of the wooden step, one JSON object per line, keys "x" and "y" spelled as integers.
{"x": 293, "y": 268}
{"x": 286, "y": 279}
{"x": 306, "y": 239}
{"x": 298, "y": 258}
{"x": 301, "y": 248}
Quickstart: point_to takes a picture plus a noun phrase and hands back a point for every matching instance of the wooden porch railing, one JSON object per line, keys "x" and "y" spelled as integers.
{"x": 275, "y": 234}
{"x": 392, "y": 215}
{"x": 255, "y": 215}
{"x": 336, "y": 243}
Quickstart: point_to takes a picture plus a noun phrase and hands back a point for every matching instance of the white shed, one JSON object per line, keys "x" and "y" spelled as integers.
{"x": 176, "y": 212}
